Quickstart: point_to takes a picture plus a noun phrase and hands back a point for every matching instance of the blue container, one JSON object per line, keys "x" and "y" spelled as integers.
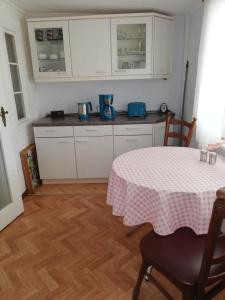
{"x": 136, "y": 109}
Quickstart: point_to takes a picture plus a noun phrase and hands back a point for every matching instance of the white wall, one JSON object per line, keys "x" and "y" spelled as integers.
{"x": 54, "y": 96}
{"x": 13, "y": 21}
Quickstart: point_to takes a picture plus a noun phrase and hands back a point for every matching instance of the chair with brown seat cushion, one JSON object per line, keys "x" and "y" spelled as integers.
{"x": 191, "y": 262}
{"x": 185, "y": 138}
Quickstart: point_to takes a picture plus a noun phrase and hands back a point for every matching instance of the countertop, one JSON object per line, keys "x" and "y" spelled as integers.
{"x": 121, "y": 118}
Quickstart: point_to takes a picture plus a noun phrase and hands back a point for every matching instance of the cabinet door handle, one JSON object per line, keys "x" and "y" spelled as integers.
{"x": 101, "y": 72}
{"x": 132, "y": 140}
{"x": 120, "y": 71}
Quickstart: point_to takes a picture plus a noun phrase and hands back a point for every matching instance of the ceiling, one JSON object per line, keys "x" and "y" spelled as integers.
{"x": 175, "y": 7}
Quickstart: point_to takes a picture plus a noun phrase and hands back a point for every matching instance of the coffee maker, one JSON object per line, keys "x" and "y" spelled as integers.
{"x": 107, "y": 111}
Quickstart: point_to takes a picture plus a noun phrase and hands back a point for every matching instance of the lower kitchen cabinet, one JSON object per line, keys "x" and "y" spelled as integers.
{"x": 124, "y": 144}
{"x": 159, "y": 132}
{"x": 56, "y": 158}
{"x": 94, "y": 156}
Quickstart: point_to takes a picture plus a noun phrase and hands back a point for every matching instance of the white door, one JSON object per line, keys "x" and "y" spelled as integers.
{"x": 90, "y": 47}
{"x": 11, "y": 204}
{"x": 131, "y": 45}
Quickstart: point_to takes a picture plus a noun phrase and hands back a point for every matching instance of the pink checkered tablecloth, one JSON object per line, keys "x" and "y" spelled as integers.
{"x": 166, "y": 186}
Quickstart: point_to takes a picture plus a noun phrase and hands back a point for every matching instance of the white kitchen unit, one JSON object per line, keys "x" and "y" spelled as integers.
{"x": 55, "y": 152}
{"x": 163, "y": 38}
{"x": 101, "y": 47}
{"x": 94, "y": 151}
{"x": 131, "y": 45}
{"x": 131, "y": 137}
{"x": 158, "y": 135}
{"x": 50, "y": 49}
{"x": 90, "y": 47}
{"x": 87, "y": 152}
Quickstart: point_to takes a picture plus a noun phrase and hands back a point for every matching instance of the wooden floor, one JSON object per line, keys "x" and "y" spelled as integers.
{"x": 67, "y": 245}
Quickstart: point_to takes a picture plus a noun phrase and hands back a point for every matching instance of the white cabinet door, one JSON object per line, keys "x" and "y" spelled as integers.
{"x": 163, "y": 46}
{"x": 94, "y": 156}
{"x": 159, "y": 132}
{"x": 56, "y": 158}
{"x": 50, "y": 49}
{"x": 131, "y": 45}
{"x": 90, "y": 47}
{"x": 124, "y": 144}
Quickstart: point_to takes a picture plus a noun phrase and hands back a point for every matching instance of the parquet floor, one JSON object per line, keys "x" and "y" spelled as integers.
{"x": 67, "y": 245}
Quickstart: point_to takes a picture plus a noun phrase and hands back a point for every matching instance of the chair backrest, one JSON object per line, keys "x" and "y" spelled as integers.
{"x": 186, "y": 138}
{"x": 213, "y": 262}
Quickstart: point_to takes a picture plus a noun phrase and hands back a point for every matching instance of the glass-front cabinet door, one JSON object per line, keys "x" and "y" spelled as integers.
{"x": 131, "y": 45}
{"x": 50, "y": 49}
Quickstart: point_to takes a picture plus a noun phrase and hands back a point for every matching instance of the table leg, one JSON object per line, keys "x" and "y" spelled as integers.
{"x": 133, "y": 229}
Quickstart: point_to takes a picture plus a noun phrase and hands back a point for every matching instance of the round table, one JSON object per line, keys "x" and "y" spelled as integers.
{"x": 166, "y": 186}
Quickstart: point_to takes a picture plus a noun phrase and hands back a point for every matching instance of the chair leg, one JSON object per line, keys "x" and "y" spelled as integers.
{"x": 188, "y": 295}
{"x": 141, "y": 275}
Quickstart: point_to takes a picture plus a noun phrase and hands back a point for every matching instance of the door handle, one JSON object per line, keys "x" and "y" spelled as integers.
{"x": 2, "y": 115}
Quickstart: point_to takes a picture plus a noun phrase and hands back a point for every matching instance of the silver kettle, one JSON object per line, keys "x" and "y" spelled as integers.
{"x": 84, "y": 109}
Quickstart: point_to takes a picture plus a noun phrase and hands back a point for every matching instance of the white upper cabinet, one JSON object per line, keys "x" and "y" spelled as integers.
{"x": 131, "y": 45}
{"x": 90, "y": 47}
{"x": 163, "y": 40}
{"x": 50, "y": 49}
{"x": 108, "y": 47}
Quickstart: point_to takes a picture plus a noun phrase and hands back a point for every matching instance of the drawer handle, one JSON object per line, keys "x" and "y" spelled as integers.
{"x": 63, "y": 142}
{"x": 133, "y": 128}
{"x": 101, "y": 72}
{"x": 50, "y": 130}
{"x": 81, "y": 142}
{"x": 91, "y": 130}
{"x": 120, "y": 71}
{"x": 132, "y": 140}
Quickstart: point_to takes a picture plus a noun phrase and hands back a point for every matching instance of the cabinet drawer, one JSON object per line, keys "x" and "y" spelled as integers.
{"x": 124, "y": 144}
{"x": 133, "y": 129}
{"x": 93, "y": 130}
{"x": 60, "y": 131}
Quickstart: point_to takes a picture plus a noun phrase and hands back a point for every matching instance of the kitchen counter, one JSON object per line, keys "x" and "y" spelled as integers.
{"x": 121, "y": 118}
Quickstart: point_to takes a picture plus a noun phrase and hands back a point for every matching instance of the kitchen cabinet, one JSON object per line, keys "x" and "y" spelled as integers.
{"x": 107, "y": 47}
{"x": 127, "y": 143}
{"x": 50, "y": 49}
{"x": 94, "y": 156}
{"x": 131, "y": 137}
{"x": 55, "y": 152}
{"x": 131, "y": 45}
{"x": 159, "y": 132}
{"x": 90, "y": 47}
{"x": 163, "y": 38}
{"x": 56, "y": 158}
{"x": 85, "y": 152}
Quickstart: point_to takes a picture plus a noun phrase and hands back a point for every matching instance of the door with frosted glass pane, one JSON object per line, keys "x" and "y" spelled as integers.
{"x": 50, "y": 49}
{"x": 11, "y": 204}
{"x": 131, "y": 45}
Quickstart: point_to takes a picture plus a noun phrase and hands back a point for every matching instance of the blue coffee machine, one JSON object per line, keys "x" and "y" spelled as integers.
{"x": 107, "y": 111}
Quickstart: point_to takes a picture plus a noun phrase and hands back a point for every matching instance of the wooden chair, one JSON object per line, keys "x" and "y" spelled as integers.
{"x": 186, "y": 139}
{"x": 192, "y": 262}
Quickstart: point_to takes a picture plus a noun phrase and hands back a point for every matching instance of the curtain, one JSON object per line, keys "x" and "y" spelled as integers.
{"x": 210, "y": 84}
